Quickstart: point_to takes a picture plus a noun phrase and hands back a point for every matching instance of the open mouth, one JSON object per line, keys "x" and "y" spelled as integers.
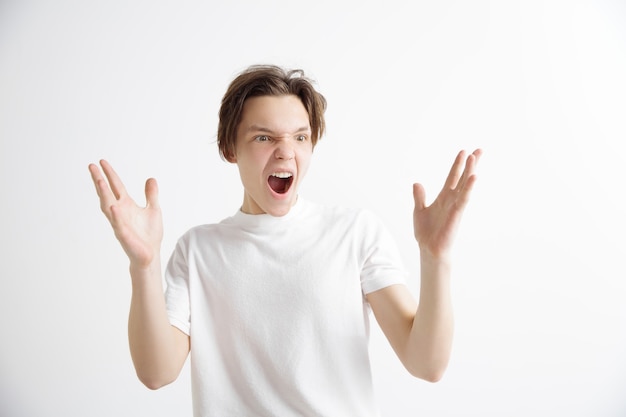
{"x": 280, "y": 182}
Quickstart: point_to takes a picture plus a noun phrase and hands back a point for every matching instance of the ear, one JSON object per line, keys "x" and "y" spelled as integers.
{"x": 231, "y": 156}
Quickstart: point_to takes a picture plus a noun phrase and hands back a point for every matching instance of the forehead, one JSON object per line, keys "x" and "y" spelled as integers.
{"x": 284, "y": 114}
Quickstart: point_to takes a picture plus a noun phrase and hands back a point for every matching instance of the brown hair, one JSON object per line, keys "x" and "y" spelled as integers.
{"x": 266, "y": 80}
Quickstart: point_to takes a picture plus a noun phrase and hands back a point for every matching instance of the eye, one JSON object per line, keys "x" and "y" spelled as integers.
{"x": 262, "y": 138}
{"x": 301, "y": 138}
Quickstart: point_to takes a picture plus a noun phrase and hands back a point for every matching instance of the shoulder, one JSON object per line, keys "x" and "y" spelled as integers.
{"x": 202, "y": 233}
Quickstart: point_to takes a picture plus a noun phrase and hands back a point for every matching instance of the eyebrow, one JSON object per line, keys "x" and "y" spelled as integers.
{"x": 259, "y": 128}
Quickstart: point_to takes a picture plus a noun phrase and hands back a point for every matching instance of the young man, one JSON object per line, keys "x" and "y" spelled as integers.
{"x": 273, "y": 302}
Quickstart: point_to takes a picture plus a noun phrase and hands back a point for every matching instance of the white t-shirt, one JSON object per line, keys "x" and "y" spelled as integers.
{"x": 276, "y": 311}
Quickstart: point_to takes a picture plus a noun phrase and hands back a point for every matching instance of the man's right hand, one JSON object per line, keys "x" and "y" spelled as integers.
{"x": 138, "y": 229}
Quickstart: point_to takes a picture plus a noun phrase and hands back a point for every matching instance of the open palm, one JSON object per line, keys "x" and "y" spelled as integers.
{"x": 435, "y": 225}
{"x": 139, "y": 229}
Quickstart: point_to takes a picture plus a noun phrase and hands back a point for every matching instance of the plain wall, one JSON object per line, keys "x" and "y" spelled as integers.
{"x": 539, "y": 275}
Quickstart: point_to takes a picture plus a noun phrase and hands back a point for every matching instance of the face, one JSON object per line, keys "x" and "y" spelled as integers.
{"x": 273, "y": 151}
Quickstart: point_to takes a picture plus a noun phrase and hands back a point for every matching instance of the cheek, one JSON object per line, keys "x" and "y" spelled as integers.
{"x": 303, "y": 164}
{"x": 251, "y": 167}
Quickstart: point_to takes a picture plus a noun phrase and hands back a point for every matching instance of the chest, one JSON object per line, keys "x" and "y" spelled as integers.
{"x": 291, "y": 280}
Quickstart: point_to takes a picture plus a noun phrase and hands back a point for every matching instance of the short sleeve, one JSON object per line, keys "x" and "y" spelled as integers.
{"x": 177, "y": 289}
{"x": 382, "y": 265}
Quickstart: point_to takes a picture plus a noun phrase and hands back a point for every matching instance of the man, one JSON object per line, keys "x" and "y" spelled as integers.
{"x": 273, "y": 302}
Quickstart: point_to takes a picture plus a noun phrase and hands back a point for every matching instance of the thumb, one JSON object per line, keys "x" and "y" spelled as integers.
{"x": 419, "y": 195}
{"x": 152, "y": 193}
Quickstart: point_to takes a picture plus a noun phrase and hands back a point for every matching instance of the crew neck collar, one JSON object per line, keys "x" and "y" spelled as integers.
{"x": 267, "y": 220}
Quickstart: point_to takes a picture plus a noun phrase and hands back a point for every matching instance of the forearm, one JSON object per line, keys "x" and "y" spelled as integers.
{"x": 432, "y": 331}
{"x": 150, "y": 335}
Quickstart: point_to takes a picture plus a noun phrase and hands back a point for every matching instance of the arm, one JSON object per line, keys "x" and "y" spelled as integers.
{"x": 421, "y": 334}
{"x": 158, "y": 349}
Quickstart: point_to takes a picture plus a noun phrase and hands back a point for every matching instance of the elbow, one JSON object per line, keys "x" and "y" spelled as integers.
{"x": 429, "y": 375}
{"x": 427, "y": 372}
{"x": 155, "y": 375}
{"x": 432, "y": 376}
{"x": 155, "y": 382}
{"x": 427, "y": 365}
{"x": 153, "y": 385}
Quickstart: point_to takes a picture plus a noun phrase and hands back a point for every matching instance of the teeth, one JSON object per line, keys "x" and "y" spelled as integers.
{"x": 282, "y": 174}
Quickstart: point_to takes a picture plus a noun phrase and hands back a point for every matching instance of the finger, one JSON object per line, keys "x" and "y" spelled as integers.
{"x": 464, "y": 195}
{"x": 95, "y": 176}
{"x": 419, "y": 195}
{"x": 455, "y": 171}
{"x": 114, "y": 180}
{"x": 470, "y": 168}
{"x": 152, "y": 193}
{"x": 102, "y": 187}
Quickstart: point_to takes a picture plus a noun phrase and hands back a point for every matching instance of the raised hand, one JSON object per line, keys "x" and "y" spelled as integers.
{"x": 435, "y": 226}
{"x": 138, "y": 229}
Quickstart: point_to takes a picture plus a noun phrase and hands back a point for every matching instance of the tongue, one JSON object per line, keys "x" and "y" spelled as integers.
{"x": 279, "y": 185}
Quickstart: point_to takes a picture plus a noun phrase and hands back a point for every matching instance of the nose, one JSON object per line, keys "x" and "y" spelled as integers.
{"x": 284, "y": 150}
